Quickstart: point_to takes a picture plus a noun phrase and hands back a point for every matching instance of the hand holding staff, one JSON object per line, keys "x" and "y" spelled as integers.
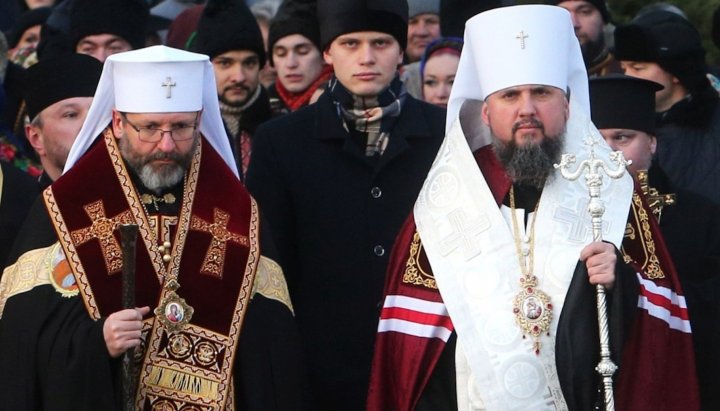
{"x": 593, "y": 169}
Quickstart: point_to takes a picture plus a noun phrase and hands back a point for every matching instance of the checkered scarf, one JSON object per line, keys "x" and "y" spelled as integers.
{"x": 372, "y": 116}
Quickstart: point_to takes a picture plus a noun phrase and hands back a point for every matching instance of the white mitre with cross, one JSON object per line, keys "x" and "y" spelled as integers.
{"x": 155, "y": 79}
{"x": 468, "y": 240}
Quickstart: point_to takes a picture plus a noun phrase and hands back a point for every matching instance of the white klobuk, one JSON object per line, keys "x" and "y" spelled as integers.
{"x": 155, "y": 79}
{"x": 469, "y": 242}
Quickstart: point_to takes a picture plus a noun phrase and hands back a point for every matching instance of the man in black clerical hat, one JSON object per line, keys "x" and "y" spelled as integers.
{"x": 336, "y": 180}
{"x": 101, "y": 28}
{"x": 229, "y": 34}
{"x": 58, "y": 94}
{"x": 623, "y": 111}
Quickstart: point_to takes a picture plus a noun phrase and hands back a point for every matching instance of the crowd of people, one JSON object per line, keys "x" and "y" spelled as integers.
{"x": 357, "y": 205}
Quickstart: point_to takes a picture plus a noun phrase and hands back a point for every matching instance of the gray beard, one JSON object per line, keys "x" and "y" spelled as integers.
{"x": 156, "y": 179}
{"x": 531, "y": 164}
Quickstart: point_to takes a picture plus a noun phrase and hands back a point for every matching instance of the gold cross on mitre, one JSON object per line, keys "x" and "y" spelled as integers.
{"x": 522, "y": 36}
{"x": 102, "y": 229}
{"x": 655, "y": 200}
{"x": 215, "y": 256}
{"x": 168, "y": 84}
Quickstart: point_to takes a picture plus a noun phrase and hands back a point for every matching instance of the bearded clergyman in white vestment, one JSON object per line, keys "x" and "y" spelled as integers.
{"x": 490, "y": 297}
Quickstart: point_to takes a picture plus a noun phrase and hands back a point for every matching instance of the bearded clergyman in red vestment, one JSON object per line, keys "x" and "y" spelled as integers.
{"x": 213, "y": 327}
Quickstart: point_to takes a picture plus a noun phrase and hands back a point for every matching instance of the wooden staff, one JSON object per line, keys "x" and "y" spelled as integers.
{"x": 128, "y": 239}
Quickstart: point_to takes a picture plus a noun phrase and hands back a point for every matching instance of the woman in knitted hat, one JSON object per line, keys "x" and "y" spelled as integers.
{"x": 437, "y": 69}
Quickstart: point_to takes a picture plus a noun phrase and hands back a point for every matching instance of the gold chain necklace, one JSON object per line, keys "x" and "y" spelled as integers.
{"x": 532, "y": 307}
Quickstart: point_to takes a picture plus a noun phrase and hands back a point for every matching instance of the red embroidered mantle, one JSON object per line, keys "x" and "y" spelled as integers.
{"x": 215, "y": 255}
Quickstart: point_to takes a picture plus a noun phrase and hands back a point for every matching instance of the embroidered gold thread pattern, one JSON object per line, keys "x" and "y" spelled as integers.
{"x": 71, "y": 254}
{"x": 102, "y": 229}
{"x": 652, "y": 265}
{"x": 270, "y": 282}
{"x": 214, "y": 261}
{"x": 655, "y": 200}
{"x": 32, "y": 269}
{"x": 414, "y": 274}
{"x": 630, "y": 231}
{"x": 153, "y": 393}
{"x": 203, "y": 344}
{"x": 183, "y": 382}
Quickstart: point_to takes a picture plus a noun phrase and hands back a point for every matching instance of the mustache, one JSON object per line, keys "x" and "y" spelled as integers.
{"x": 533, "y": 122}
{"x": 165, "y": 156}
{"x": 237, "y": 86}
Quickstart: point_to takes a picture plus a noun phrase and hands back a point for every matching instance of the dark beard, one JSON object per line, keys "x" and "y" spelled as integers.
{"x": 236, "y": 104}
{"x": 594, "y": 51}
{"x": 531, "y": 164}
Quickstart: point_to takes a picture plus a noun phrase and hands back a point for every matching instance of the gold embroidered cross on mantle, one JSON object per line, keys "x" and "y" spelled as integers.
{"x": 102, "y": 229}
{"x": 215, "y": 257}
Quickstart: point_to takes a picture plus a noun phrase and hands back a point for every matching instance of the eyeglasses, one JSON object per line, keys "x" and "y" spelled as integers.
{"x": 153, "y": 135}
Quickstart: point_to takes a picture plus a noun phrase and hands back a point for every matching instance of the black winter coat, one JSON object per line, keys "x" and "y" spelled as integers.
{"x": 688, "y": 148}
{"x": 334, "y": 214}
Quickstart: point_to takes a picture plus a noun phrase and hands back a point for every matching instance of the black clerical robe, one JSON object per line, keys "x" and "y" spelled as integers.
{"x": 235, "y": 347}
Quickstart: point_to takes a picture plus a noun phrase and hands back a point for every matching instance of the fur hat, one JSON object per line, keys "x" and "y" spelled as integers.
{"x": 124, "y": 18}
{"x": 349, "y": 16}
{"x": 294, "y": 17}
{"x": 228, "y": 25}
{"x": 667, "y": 39}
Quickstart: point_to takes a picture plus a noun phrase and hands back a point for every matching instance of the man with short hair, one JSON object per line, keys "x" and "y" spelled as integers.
{"x": 294, "y": 51}
{"x": 491, "y": 290}
{"x": 423, "y": 29}
{"x": 335, "y": 180}
{"x": 663, "y": 47}
{"x": 101, "y": 28}
{"x": 229, "y": 34}
{"x": 623, "y": 109}
{"x": 58, "y": 94}
{"x": 590, "y": 18}
{"x": 152, "y": 152}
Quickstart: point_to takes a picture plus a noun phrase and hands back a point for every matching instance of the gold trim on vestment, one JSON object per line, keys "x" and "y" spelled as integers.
{"x": 32, "y": 269}
{"x": 71, "y": 254}
{"x": 414, "y": 274}
{"x": 651, "y": 264}
{"x": 189, "y": 365}
{"x": 145, "y": 229}
{"x": 194, "y": 354}
{"x": 270, "y": 282}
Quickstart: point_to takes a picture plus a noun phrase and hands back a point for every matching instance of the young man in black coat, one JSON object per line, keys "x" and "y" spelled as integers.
{"x": 335, "y": 181}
